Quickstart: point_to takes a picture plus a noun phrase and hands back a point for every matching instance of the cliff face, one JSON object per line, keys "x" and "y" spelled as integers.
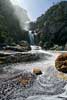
{"x": 52, "y": 26}
{"x": 10, "y": 30}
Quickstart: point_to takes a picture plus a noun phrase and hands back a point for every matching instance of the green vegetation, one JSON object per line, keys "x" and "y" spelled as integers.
{"x": 52, "y": 26}
{"x": 10, "y": 30}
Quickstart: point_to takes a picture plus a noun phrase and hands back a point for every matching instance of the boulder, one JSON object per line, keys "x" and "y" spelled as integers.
{"x": 65, "y": 48}
{"x": 61, "y": 63}
{"x": 57, "y": 48}
{"x": 37, "y": 71}
{"x": 21, "y": 47}
{"x": 17, "y": 57}
{"x": 25, "y": 45}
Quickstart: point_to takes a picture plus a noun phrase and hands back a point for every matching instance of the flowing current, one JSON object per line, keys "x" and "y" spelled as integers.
{"x": 48, "y": 86}
{"x": 31, "y": 37}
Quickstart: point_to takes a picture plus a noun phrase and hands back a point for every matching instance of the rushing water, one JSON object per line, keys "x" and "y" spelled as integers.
{"x": 47, "y": 86}
{"x": 47, "y": 58}
{"x": 31, "y": 37}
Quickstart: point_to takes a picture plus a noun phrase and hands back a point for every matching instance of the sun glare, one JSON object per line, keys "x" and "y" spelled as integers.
{"x": 16, "y": 2}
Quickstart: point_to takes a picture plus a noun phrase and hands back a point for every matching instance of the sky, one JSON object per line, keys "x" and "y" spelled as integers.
{"x": 35, "y": 7}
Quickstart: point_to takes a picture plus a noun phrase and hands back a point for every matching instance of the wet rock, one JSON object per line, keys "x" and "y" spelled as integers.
{"x": 43, "y": 97}
{"x": 18, "y": 57}
{"x": 25, "y": 45}
{"x": 37, "y": 71}
{"x": 45, "y": 86}
{"x": 1, "y": 62}
{"x": 13, "y": 86}
{"x": 57, "y": 47}
{"x": 65, "y": 48}
{"x": 25, "y": 81}
{"x": 61, "y": 63}
{"x": 21, "y": 47}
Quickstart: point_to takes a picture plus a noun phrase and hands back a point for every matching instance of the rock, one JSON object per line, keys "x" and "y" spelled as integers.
{"x": 52, "y": 25}
{"x": 57, "y": 47}
{"x": 37, "y": 71}
{"x": 65, "y": 48}
{"x": 21, "y": 47}
{"x": 18, "y": 57}
{"x": 61, "y": 63}
{"x": 1, "y": 62}
{"x": 14, "y": 85}
{"x": 25, "y": 45}
{"x": 25, "y": 81}
{"x": 41, "y": 43}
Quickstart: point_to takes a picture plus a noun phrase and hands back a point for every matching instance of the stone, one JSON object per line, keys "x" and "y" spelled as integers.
{"x": 25, "y": 81}
{"x": 57, "y": 48}
{"x": 65, "y": 47}
{"x": 25, "y": 45}
{"x": 14, "y": 85}
{"x": 1, "y": 62}
{"x": 21, "y": 47}
{"x": 37, "y": 71}
{"x": 61, "y": 63}
{"x": 17, "y": 57}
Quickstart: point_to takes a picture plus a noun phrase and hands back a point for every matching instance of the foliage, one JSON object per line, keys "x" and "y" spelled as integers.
{"x": 10, "y": 30}
{"x": 52, "y": 26}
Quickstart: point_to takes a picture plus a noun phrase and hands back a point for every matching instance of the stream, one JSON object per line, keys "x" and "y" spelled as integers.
{"x": 48, "y": 86}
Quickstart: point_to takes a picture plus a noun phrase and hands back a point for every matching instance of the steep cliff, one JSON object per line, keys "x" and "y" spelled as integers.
{"x": 52, "y": 26}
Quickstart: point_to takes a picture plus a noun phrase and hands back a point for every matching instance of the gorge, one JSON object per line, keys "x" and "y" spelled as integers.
{"x": 22, "y": 50}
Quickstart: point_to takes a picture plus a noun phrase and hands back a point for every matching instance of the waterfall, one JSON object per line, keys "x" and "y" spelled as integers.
{"x": 31, "y": 37}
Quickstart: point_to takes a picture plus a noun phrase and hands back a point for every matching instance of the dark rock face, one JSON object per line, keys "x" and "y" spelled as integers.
{"x": 52, "y": 26}
{"x": 61, "y": 63}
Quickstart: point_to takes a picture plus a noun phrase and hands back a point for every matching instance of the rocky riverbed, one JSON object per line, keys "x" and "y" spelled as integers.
{"x": 8, "y": 58}
{"x": 13, "y": 86}
{"x": 42, "y": 87}
{"x": 17, "y": 82}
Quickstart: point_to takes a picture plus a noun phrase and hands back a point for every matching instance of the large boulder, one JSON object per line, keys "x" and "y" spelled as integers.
{"x": 61, "y": 63}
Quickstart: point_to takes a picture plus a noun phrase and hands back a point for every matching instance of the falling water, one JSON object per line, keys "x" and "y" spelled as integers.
{"x": 31, "y": 37}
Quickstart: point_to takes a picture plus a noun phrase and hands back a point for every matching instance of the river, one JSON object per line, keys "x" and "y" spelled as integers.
{"x": 51, "y": 85}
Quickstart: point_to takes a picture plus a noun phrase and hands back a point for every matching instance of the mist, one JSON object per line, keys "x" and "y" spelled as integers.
{"x": 22, "y": 16}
